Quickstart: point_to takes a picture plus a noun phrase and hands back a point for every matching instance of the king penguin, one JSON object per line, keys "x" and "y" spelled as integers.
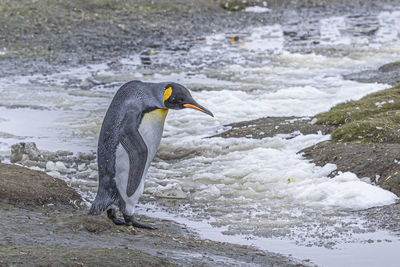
{"x": 130, "y": 135}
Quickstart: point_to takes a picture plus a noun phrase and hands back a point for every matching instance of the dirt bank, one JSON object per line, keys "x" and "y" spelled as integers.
{"x": 27, "y": 188}
{"x": 271, "y": 126}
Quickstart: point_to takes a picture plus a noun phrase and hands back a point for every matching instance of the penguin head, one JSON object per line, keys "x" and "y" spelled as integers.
{"x": 177, "y": 96}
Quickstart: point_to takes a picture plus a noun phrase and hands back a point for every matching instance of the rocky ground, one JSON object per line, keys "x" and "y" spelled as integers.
{"x": 46, "y": 35}
{"x": 49, "y": 35}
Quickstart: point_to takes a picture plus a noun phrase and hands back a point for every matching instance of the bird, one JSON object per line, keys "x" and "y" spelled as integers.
{"x": 129, "y": 138}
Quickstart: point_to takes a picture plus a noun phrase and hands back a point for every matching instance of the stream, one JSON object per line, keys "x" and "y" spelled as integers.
{"x": 241, "y": 190}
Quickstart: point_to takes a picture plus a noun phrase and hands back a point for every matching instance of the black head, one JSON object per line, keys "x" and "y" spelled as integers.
{"x": 178, "y": 97}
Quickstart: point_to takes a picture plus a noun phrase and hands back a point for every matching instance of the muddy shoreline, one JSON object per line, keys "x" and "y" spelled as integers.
{"x": 52, "y": 230}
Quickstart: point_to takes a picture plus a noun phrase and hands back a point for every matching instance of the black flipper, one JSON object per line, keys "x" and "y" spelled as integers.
{"x": 136, "y": 148}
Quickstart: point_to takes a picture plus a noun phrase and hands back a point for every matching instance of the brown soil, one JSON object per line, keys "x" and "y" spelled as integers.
{"x": 26, "y": 188}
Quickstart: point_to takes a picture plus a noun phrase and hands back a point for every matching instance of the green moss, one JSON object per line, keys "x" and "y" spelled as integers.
{"x": 232, "y": 5}
{"x": 374, "y": 118}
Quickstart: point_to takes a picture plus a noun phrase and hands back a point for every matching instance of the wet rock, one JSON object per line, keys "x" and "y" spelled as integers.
{"x": 391, "y": 180}
{"x": 64, "y": 153}
{"x": 87, "y": 174}
{"x": 171, "y": 191}
{"x": 55, "y": 174}
{"x": 19, "y": 150}
{"x": 60, "y": 166}
{"x": 93, "y": 166}
{"x": 388, "y": 73}
{"x": 69, "y": 171}
{"x": 88, "y": 83}
{"x": 86, "y": 157}
{"x": 57, "y": 163}
{"x": 50, "y": 166}
{"x": 26, "y": 188}
{"x": 82, "y": 167}
{"x": 31, "y": 163}
{"x": 93, "y": 175}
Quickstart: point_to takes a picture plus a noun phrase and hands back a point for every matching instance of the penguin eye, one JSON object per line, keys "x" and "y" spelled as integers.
{"x": 180, "y": 99}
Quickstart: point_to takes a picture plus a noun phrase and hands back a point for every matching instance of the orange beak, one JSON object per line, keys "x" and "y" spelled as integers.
{"x": 200, "y": 108}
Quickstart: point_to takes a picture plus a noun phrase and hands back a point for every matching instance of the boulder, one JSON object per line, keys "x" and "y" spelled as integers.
{"x": 24, "y": 151}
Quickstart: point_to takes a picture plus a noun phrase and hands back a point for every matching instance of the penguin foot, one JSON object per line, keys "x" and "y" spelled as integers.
{"x": 112, "y": 215}
{"x": 130, "y": 220}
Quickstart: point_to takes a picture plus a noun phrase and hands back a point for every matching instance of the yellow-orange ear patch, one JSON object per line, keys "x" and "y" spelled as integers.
{"x": 167, "y": 94}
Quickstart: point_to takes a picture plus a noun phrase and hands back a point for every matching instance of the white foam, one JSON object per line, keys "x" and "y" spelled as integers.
{"x": 265, "y": 39}
{"x": 389, "y": 29}
{"x": 345, "y": 190}
{"x": 257, "y": 9}
{"x": 331, "y": 30}
{"x": 243, "y": 173}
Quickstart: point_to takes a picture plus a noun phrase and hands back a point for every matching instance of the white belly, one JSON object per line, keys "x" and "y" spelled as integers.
{"x": 150, "y": 129}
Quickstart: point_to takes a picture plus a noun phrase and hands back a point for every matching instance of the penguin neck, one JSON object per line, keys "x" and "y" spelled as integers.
{"x": 158, "y": 115}
{"x": 152, "y": 124}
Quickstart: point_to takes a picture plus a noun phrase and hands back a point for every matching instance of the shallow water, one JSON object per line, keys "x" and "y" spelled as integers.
{"x": 248, "y": 189}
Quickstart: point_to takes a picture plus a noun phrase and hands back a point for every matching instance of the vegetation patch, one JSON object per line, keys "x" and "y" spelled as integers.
{"x": 232, "y": 5}
{"x": 374, "y": 118}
